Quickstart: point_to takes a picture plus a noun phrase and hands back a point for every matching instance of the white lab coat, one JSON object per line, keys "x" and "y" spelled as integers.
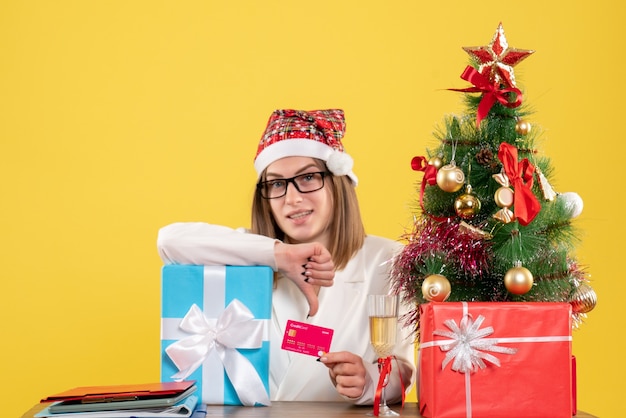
{"x": 342, "y": 307}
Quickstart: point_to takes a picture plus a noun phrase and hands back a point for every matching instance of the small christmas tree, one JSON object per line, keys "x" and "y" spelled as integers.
{"x": 489, "y": 226}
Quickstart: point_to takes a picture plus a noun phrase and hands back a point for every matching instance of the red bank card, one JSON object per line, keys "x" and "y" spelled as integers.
{"x": 306, "y": 338}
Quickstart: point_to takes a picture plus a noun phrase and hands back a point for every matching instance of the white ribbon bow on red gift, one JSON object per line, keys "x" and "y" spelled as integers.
{"x": 468, "y": 349}
{"x": 235, "y": 328}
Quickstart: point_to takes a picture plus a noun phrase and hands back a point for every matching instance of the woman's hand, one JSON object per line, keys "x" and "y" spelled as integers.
{"x": 308, "y": 266}
{"x": 347, "y": 373}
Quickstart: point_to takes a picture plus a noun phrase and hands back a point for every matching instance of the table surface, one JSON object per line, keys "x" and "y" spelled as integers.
{"x": 298, "y": 409}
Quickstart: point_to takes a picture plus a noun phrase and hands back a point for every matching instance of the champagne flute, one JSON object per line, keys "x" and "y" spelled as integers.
{"x": 383, "y": 315}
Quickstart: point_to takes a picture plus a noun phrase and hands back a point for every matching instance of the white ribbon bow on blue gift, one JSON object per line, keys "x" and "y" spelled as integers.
{"x": 468, "y": 349}
{"x": 235, "y": 328}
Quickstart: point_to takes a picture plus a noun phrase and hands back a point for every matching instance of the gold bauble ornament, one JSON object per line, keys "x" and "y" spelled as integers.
{"x": 436, "y": 288}
{"x": 518, "y": 280}
{"x": 522, "y": 127}
{"x": 584, "y": 299}
{"x": 450, "y": 178}
{"x": 436, "y": 162}
{"x": 467, "y": 205}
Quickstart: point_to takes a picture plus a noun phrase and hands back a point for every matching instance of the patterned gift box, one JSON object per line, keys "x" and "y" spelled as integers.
{"x": 500, "y": 359}
{"x": 215, "y": 330}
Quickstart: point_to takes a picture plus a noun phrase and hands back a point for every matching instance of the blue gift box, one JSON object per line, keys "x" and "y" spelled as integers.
{"x": 204, "y": 309}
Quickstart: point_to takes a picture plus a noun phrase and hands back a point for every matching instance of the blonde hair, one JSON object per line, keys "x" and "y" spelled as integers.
{"x": 346, "y": 226}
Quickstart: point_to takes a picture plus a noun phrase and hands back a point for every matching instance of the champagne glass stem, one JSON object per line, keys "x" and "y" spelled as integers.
{"x": 383, "y": 401}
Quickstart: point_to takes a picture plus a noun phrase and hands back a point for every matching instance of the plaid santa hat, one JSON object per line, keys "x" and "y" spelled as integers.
{"x": 301, "y": 133}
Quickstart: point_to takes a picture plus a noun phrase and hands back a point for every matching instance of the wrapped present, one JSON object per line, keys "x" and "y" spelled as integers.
{"x": 574, "y": 389}
{"x": 215, "y": 330}
{"x": 495, "y": 359}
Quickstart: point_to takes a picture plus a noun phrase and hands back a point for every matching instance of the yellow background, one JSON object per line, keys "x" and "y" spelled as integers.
{"x": 118, "y": 117}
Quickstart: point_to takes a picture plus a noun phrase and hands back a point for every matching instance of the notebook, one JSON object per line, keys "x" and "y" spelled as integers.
{"x": 120, "y": 397}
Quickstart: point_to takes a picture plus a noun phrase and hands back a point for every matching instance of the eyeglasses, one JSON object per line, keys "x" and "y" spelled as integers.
{"x": 304, "y": 183}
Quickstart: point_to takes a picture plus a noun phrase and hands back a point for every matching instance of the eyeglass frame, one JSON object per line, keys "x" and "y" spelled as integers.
{"x": 261, "y": 184}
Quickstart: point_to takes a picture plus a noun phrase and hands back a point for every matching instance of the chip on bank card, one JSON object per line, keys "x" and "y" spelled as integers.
{"x": 306, "y": 338}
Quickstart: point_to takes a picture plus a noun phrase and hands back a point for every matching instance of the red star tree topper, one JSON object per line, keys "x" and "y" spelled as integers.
{"x": 497, "y": 59}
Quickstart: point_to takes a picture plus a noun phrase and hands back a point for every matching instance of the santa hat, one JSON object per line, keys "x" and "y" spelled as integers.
{"x": 300, "y": 133}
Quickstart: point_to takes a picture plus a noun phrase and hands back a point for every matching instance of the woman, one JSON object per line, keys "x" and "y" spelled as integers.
{"x": 307, "y": 226}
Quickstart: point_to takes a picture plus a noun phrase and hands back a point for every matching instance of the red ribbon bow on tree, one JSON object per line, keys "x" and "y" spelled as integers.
{"x": 430, "y": 171}
{"x": 491, "y": 93}
{"x": 520, "y": 174}
{"x": 430, "y": 177}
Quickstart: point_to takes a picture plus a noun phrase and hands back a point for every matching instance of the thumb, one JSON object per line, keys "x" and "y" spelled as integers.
{"x": 311, "y": 297}
{"x": 319, "y": 250}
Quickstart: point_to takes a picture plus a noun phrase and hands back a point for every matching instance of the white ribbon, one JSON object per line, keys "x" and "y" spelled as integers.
{"x": 235, "y": 328}
{"x": 468, "y": 351}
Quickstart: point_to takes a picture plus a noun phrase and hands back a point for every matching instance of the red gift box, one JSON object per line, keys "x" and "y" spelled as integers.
{"x": 495, "y": 359}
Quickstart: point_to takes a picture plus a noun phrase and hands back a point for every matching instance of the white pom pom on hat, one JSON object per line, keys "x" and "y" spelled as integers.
{"x": 340, "y": 163}
{"x": 301, "y": 133}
